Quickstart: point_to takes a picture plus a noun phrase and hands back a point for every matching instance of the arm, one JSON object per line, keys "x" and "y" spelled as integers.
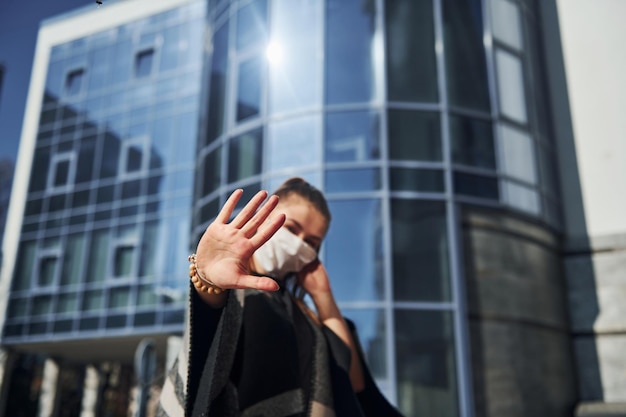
{"x": 315, "y": 281}
{"x": 224, "y": 251}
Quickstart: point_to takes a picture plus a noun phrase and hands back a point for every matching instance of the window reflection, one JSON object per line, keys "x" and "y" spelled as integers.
{"x": 146, "y": 295}
{"x": 74, "y": 82}
{"x": 249, "y": 88}
{"x": 121, "y": 62}
{"x": 24, "y": 266}
{"x": 67, "y": 303}
{"x": 350, "y": 29}
{"x": 42, "y": 305}
{"x": 122, "y": 264}
{"x": 353, "y": 250}
{"x": 510, "y": 78}
{"x": 47, "y": 116}
{"x": 425, "y": 363}
{"x": 185, "y": 139}
{"x": 149, "y": 249}
{"x": 252, "y": 24}
{"x": 72, "y": 259}
{"x": 61, "y": 173}
{"x": 162, "y": 134}
{"x": 295, "y": 80}
{"x": 480, "y": 186}
{"x": 420, "y": 251}
{"x": 119, "y": 297}
{"x": 521, "y": 197}
{"x": 351, "y": 136}
{"x": 84, "y": 168}
{"x": 506, "y": 22}
{"x": 472, "y": 142}
{"x": 424, "y": 180}
{"x": 99, "y": 61}
{"x": 466, "y": 69}
{"x": 212, "y": 174}
{"x": 97, "y": 264}
{"x": 371, "y": 328}
{"x": 104, "y": 143}
{"x": 517, "y": 154}
{"x": 244, "y": 155}
{"x": 217, "y": 98}
{"x": 47, "y": 270}
{"x": 294, "y": 143}
{"x": 414, "y": 135}
{"x": 144, "y": 63}
{"x": 54, "y": 79}
{"x": 41, "y": 163}
{"x": 352, "y": 180}
{"x": 93, "y": 300}
{"x": 170, "y": 49}
{"x": 18, "y": 307}
{"x": 410, "y": 46}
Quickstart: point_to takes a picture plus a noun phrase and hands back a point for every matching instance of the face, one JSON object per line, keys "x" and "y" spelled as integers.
{"x": 303, "y": 220}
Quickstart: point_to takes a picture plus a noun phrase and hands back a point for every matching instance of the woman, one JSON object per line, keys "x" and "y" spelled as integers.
{"x": 253, "y": 347}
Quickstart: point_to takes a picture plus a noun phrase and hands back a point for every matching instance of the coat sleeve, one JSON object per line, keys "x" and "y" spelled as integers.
{"x": 203, "y": 321}
{"x": 182, "y": 379}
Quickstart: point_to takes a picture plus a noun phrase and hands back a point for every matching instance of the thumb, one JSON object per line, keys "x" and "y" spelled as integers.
{"x": 257, "y": 283}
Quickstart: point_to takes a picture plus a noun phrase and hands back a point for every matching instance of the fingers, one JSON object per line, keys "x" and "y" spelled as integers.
{"x": 259, "y": 218}
{"x": 229, "y": 206}
{"x": 268, "y": 230}
{"x": 248, "y": 211}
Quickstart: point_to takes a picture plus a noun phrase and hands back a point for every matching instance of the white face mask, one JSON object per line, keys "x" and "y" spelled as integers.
{"x": 282, "y": 254}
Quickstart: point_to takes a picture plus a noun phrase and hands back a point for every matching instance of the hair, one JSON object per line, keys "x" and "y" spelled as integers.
{"x": 298, "y": 186}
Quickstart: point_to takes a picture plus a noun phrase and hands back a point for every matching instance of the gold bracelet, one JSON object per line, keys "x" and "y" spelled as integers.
{"x": 201, "y": 284}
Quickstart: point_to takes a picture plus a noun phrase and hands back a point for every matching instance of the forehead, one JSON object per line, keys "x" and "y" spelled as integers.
{"x": 302, "y": 211}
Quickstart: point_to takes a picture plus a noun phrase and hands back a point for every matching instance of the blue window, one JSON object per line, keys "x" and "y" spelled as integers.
{"x": 143, "y": 63}
{"x": 74, "y": 82}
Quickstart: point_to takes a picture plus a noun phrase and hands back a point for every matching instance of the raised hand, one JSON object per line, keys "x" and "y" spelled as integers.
{"x": 224, "y": 251}
{"x": 314, "y": 279}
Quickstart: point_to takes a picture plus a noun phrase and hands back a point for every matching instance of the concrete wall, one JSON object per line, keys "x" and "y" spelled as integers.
{"x": 521, "y": 353}
{"x": 588, "y": 90}
{"x": 596, "y": 276}
{"x": 592, "y": 37}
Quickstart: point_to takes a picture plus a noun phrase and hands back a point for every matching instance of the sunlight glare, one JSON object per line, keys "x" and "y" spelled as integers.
{"x": 274, "y": 53}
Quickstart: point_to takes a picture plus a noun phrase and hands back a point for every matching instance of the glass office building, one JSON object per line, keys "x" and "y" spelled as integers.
{"x": 424, "y": 122}
{"x": 107, "y": 210}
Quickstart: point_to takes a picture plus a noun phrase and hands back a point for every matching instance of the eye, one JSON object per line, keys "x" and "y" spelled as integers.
{"x": 292, "y": 229}
{"x": 314, "y": 244}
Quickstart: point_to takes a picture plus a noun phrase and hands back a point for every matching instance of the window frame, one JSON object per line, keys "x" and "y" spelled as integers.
{"x": 140, "y": 52}
{"x": 143, "y": 142}
{"x": 117, "y": 243}
{"x": 44, "y": 253}
{"x": 69, "y": 156}
{"x": 77, "y": 70}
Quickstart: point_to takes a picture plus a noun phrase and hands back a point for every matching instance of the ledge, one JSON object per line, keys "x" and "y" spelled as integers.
{"x": 600, "y": 409}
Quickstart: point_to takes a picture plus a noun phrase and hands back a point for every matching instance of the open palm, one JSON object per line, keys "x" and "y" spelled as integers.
{"x": 224, "y": 251}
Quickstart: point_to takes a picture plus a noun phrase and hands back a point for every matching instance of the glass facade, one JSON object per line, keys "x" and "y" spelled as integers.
{"x": 398, "y": 110}
{"x": 404, "y": 112}
{"x": 106, "y": 226}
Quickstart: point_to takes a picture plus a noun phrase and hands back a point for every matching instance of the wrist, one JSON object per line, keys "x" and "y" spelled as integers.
{"x": 320, "y": 296}
{"x": 199, "y": 281}
{"x": 325, "y": 305}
